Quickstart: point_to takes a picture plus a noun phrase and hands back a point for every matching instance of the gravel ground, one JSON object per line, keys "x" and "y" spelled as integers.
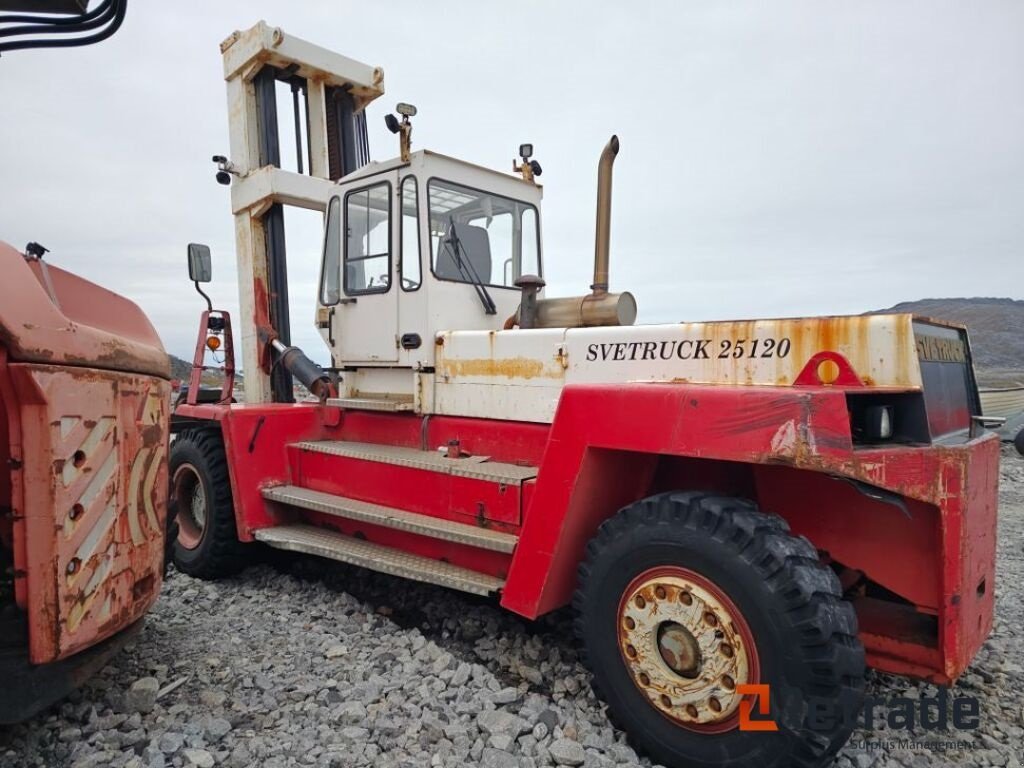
{"x": 307, "y": 663}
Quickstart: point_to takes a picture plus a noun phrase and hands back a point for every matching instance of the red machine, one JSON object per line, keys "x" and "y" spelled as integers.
{"x": 731, "y": 509}
{"x": 84, "y": 401}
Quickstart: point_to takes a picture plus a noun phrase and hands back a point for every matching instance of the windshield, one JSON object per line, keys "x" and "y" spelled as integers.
{"x": 495, "y": 236}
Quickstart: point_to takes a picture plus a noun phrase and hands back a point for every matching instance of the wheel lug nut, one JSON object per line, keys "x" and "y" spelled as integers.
{"x": 710, "y": 619}
{"x": 666, "y": 701}
{"x": 630, "y": 624}
{"x": 726, "y": 650}
{"x": 691, "y": 711}
{"x": 728, "y": 683}
{"x": 640, "y": 602}
{"x": 660, "y": 593}
{"x": 631, "y": 651}
{"x": 686, "y": 598}
{"x": 644, "y": 679}
{"x": 715, "y": 705}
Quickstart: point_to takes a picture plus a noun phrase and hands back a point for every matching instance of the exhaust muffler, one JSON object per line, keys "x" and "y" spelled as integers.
{"x": 598, "y": 307}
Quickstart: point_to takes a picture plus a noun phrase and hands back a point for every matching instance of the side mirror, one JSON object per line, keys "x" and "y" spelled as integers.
{"x": 200, "y": 269}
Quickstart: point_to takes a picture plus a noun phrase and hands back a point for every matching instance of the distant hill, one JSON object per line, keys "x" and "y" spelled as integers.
{"x": 180, "y": 369}
{"x": 996, "y": 327}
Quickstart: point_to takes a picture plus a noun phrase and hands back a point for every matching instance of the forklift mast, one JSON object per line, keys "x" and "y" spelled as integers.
{"x": 329, "y": 93}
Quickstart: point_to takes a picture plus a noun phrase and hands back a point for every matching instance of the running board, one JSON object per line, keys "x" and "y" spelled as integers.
{"x": 476, "y": 467}
{"x": 398, "y": 519}
{"x": 336, "y": 546}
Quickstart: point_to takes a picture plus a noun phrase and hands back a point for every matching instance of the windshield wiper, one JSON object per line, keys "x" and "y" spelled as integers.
{"x": 468, "y": 271}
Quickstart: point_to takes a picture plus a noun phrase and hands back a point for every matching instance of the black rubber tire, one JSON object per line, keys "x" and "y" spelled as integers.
{"x": 170, "y": 535}
{"x": 1018, "y": 442}
{"x": 219, "y": 552}
{"x": 805, "y": 633}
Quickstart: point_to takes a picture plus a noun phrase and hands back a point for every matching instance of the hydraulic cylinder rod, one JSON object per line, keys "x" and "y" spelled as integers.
{"x": 302, "y": 368}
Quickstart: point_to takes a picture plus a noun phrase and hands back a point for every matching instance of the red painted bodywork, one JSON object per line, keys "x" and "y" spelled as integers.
{"x": 929, "y": 541}
{"x": 84, "y": 397}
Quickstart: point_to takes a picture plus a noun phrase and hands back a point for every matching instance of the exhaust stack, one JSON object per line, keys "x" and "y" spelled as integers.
{"x": 598, "y": 307}
{"x": 602, "y": 235}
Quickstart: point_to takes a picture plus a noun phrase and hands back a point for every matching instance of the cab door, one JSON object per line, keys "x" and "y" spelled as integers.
{"x": 364, "y": 322}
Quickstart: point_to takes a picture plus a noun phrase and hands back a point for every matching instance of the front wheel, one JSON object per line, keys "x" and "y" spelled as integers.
{"x": 207, "y": 544}
{"x": 684, "y": 600}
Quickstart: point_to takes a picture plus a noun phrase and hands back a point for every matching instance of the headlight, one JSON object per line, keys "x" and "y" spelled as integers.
{"x": 878, "y": 422}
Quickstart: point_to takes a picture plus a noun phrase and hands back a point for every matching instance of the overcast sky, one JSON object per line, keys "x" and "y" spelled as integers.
{"x": 777, "y": 159}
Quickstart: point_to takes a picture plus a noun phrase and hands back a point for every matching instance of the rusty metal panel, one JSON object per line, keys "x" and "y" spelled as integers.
{"x": 878, "y": 348}
{"x": 503, "y": 375}
{"x": 93, "y": 506}
{"x": 53, "y": 317}
{"x": 520, "y": 374}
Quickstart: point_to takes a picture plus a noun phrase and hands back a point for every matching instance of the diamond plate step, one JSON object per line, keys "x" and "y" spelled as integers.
{"x": 398, "y": 519}
{"x": 477, "y": 467}
{"x": 345, "y": 549}
{"x": 372, "y": 403}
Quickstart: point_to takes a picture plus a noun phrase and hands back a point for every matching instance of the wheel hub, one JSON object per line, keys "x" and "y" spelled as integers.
{"x": 190, "y": 501}
{"x": 686, "y": 647}
{"x": 198, "y": 505}
{"x": 679, "y": 649}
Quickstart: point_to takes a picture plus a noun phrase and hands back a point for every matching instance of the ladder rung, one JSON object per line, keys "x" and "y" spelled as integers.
{"x": 336, "y": 546}
{"x": 478, "y": 467}
{"x": 398, "y": 519}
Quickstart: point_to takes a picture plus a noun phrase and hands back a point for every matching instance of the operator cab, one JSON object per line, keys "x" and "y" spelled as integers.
{"x": 420, "y": 245}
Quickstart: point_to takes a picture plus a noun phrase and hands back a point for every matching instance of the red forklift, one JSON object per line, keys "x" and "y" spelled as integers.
{"x": 743, "y": 515}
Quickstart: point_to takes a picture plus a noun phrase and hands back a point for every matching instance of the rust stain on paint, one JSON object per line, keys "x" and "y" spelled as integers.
{"x": 507, "y": 367}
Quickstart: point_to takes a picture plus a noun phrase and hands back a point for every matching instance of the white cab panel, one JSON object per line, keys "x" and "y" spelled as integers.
{"x": 516, "y": 375}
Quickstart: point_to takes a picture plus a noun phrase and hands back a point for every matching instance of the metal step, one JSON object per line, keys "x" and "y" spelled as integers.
{"x": 477, "y": 467}
{"x": 345, "y": 549}
{"x": 373, "y": 403}
{"x": 398, "y": 519}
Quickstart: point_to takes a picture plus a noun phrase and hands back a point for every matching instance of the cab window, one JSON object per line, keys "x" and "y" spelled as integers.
{"x": 478, "y": 236}
{"x": 412, "y": 275}
{"x": 330, "y": 273}
{"x": 368, "y": 240}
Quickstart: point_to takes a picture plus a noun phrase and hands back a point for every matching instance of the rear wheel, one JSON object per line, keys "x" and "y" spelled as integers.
{"x": 683, "y": 598}
{"x": 1019, "y": 442}
{"x": 207, "y": 544}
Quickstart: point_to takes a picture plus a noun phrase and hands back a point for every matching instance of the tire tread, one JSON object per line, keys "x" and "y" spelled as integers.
{"x": 224, "y": 554}
{"x": 809, "y": 594}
